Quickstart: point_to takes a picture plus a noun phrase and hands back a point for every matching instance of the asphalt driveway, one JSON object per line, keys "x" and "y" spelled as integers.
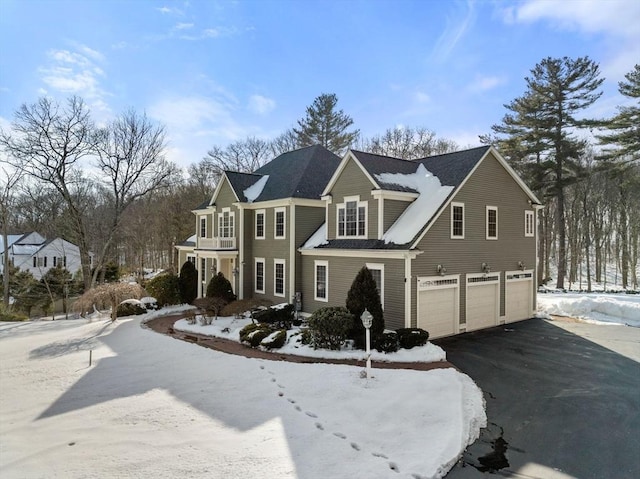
{"x": 563, "y": 400}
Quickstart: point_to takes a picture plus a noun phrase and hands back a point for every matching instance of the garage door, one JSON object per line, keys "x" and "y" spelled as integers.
{"x": 518, "y": 295}
{"x": 483, "y": 300}
{"x": 438, "y": 300}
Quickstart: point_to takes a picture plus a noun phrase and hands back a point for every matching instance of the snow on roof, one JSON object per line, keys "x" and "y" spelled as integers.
{"x": 318, "y": 238}
{"x": 10, "y": 240}
{"x": 254, "y": 190}
{"x": 431, "y": 195}
{"x": 26, "y": 249}
{"x": 192, "y": 238}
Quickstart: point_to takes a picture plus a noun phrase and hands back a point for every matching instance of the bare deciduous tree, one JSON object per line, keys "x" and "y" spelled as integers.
{"x": 9, "y": 181}
{"x": 408, "y": 143}
{"x": 111, "y": 294}
{"x": 48, "y": 143}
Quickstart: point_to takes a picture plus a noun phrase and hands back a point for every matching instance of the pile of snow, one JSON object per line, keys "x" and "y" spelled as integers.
{"x": 154, "y": 406}
{"x": 229, "y": 328}
{"x": 255, "y": 190}
{"x": 431, "y": 195}
{"x": 318, "y": 238}
{"x": 593, "y": 307}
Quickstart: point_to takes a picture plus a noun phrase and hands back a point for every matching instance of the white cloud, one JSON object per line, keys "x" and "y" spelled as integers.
{"x": 170, "y": 11}
{"x": 422, "y": 97}
{"x": 456, "y": 27}
{"x": 76, "y": 73}
{"x": 484, "y": 83}
{"x": 617, "y": 20}
{"x": 183, "y": 26}
{"x": 261, "y": 105}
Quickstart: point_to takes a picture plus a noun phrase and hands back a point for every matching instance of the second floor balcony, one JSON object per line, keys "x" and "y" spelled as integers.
{"x": 217, "y": 243}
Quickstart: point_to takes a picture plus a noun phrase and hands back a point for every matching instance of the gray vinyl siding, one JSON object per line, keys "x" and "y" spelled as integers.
{"x": 353, "y": 182}
{"x": 269, "y": 248}
{"x": 342, "y": 271}
{"x": 225, "y": 199}
{"x": 248, "y": 266}
{"x": 308, "y": 220}
{"x": 490, "y": 185}
{"x": 392, "y": 211}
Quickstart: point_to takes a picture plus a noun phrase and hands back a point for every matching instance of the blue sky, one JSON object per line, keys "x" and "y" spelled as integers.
{"x": 218, "y": 71}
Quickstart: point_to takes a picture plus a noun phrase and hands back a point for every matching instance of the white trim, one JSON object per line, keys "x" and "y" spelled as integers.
{"x": 407, "y": 288}
{"x": 240, "y": 263}
{"x": 456, "y": 205}
{"x": 486, "y": 218}
{"x": 255, "y": 275}
{"x": 262, "y": 212}
{"x": 232, "y": 223}
{"x": 200, "y": 219}
{"x": 219, "y": 187}
{"x": 380, "y": 217}
{"x": 324, "y": 263}
{"x": 379, "y": 267}
{"x": 349, "y": 155}
{"x": 359, "y": 204}
{"x": 284, "y": 277}
{"x": 529, "y": 232}
{"x": 292, "y": 251}
{"x": 361, "y": 253}
{"x": 282, "y": 210}
{"x": 395, "y": 195}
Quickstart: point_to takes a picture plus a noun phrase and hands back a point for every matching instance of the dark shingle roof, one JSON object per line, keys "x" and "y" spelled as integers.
{"x": 301, "y": 173}
{"x": 203, "y": 205}
{"x": 450, "y": 168}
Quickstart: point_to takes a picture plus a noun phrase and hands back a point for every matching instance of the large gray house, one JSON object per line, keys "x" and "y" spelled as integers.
{"x": 450, "y": 239}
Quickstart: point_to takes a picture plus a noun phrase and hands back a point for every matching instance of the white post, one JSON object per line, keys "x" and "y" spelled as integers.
{"x": 368, "y": 338}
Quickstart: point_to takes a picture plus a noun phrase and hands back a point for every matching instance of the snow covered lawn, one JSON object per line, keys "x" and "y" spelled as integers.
{"x": 229, "y": 328}
{"x": 598, "y": 308}
{"x": 154, "y": 406}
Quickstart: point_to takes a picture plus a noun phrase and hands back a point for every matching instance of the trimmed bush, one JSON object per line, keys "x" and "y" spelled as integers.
{"x": 279, "y": 317}
{"x": 188, "y": 282}
{"x": 329, "y": 327}
{"x": 220, "y": 287}
{"x": 129, "y": 309}
{"x": 362, "y": 295}
{"x": 387, "y": 342}
{"x": 253, "y": 334}
{"x": 275, "y": 340}
{"x": 210, "y": 305}
{"x": 165, "y": 289}
{"x": 412, "y": 337}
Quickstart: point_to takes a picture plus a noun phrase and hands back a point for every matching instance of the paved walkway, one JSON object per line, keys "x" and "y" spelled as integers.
{"x": 164, "y": 325}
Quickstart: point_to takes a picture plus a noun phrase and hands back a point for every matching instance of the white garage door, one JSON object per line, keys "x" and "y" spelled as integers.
{"x": 518, "y": 295}
{"x": 483, "y": 300}
{"x": 438, "y": 300}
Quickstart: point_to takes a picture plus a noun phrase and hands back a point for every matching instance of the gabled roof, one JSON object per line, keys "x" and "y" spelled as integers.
{"x": 300, "y": 173}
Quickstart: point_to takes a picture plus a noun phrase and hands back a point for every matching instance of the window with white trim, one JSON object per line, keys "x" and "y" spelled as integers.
{"x": 377, "y": 271}
{"x": 191, "y": 259}
{"x": 226, "y": 221}
{"x": 492, "y": 223}
{"x": 457, "y": 220}
{"x": 260, "y": 224}
{"x": 321, "y": 281}
{"x": 352, "y": 218}
{"x": 278, "y": 277}
{"x": 259, "y": 286}
{"x": 280, "y": 223}
{"x": 203, "y": 227}
{"x": 529, "y": 224}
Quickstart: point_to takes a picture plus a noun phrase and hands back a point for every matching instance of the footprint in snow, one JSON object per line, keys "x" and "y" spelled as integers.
{"x": 280, "y": 386}
{"x": 292, "y": 401}
{"x": 298, "y": 408}
{"x": 379, "y": 454}
{"x": 310, "y": 414}
{"x": 319, "y": 426}
{"x": 355, "y": 446}
{"x": 394, "y": 467}
{"x": 273, "y": 380}
{"x": 340, "y": 435}
{"x": 261, "y": 367}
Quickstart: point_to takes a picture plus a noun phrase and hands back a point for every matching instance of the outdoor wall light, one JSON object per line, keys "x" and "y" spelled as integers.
{"x": 486, "y": 269}
{"x": 441, "y": 270}
{"x": 521, "y": 265}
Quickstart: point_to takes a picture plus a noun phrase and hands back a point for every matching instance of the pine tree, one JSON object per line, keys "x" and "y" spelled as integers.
{"x": 362, "y": 295}
{"x": 542, "y": 125}
{"x": 188, "y": 282}
{"x": 325, "y": 126}
{"x": 625, "y": 126}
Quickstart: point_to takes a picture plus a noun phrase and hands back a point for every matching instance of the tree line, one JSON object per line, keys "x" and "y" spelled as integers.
{"x": 110, "y": 190}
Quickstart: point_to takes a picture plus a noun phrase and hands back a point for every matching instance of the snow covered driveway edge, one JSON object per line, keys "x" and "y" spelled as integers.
{"x": 593, "y": 307}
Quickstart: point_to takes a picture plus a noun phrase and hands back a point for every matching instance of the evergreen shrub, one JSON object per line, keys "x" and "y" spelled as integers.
{"x": 362, "y": 295}
{"x": 188, "y": 282}
{"x": 412, "y": 337}
{"x": 275, "y": 340}
{"x": 220, "y": 287}
{"x": 280, "y": 317}
{"x": 387, "y": 342}
{"x": 129, "y": 309}
{"x": 328, "y": 327}
{"x": 165, "y": 289}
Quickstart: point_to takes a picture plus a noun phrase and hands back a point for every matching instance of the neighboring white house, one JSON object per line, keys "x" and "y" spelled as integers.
{"x": 32, "y": 252}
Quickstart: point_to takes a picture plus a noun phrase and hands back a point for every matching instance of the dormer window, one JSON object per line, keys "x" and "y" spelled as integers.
{"x": 352, "y": 218}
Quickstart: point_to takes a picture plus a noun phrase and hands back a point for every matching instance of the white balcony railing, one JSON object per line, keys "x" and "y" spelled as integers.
{"x": 217, "y": 243}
